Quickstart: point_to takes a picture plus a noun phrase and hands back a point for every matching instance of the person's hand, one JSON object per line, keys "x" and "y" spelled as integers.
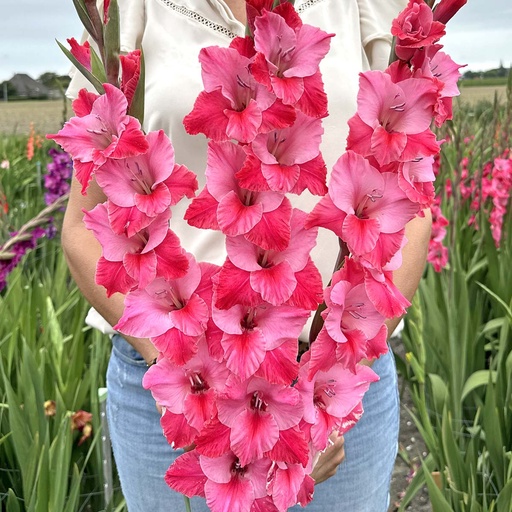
{"x": 330, "y": 459}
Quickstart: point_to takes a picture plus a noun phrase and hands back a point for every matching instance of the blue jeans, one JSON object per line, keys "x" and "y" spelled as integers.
{"x": 142, "y": 454}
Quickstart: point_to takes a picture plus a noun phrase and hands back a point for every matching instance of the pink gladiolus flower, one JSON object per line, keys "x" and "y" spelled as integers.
{"x": 286, "y": 160}
{"x": 440, "y": 68}
{"x": 82, "y": 105}
{"x": 223, "y": 481}
{"x": 250, "y": 332}
{"x": 262, "y": 217}
{"x": 167, "y": 304}
{"x": 445, "y": 10}
{"x": 256, "y": 411}
{"x": 362, "y": 204}
{"x": 385, "y": 296}
{"x": 287, "y": 276}
{"x": 350, "y": 320}
{"x": 130, "y": 74}
{"x": 330, "y": 397}
{"x": 81, "y": 52}
{"x": 285, "y": 484}
{"x": 186, "y": 476}
{"x": 438, "y": 65}
{"x": 349, "y": 308}
{"x": 288, "y": 61}
{"x": 234, "y": 483}
{"x": 189, "y": 390}
{"x": 416, "y": 179}
{"x": 146, "y": 181}
{"x": 233, "y": 105}
{"x": 415, "y": 28}
{"x": 256, "y": 8}
{"x": 392, "y": 120}
{"x": 154, "y": 251}
{"x": 437, "y": 256}
{"x": 107, "y": 132}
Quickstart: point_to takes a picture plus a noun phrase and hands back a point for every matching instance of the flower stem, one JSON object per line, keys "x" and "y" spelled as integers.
{"x": 25, "y": 232}
{"x": 318, "y": 321}
{"x": 187, "y": 503}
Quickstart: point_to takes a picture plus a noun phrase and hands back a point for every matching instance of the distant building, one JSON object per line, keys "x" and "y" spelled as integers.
{"x": 24, "y": 86}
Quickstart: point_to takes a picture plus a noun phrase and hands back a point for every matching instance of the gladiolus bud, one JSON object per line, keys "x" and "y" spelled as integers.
{"x": 445, "y": 10}
{"x": 82, "y": 53}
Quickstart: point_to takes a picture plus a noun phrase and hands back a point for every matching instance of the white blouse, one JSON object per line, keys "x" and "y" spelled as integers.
{"x": 172, "y": 33}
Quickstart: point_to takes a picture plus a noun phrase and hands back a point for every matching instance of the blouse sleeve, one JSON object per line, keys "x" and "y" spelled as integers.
{"x": 375, "y": 21}
{"x": 132, "y": 20}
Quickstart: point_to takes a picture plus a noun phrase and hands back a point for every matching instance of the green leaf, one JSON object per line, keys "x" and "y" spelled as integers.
{"x": 493, "y": 435}
{"x": 137, "y": 106}
{"x": 493, "y": 325}
{"x": 54, "y": 331}
{"x": 60, "y": 459}
{"x": 43, "y": 493}
{"x": 84, "y": 17}
{"x": 456, "y": 466}
{"x": 97, "y": 84}
{"x": 439, "y": 391}
{"x": 112, "y": 44}
{"x": 74, "y": 490}
{"x": 498, "y": 299}
{"x": 504, "y": 503}
{"x": 13, "y": 503}
{"x": 439, "y": 503}
{"x": 97, "y": 67}
{"x": 477, "y": 379}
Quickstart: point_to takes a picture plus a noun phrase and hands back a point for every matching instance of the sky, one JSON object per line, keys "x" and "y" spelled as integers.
{"x": 479, "y": 36}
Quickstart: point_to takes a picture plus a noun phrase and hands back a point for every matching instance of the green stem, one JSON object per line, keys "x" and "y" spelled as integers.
{"x": 318, "y": 322}
{"x": 187, "y": 503}
{"x": 25, "y": 232}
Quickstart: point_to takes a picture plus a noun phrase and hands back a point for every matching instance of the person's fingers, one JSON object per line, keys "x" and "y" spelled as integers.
{"x": 330, "y": 459}
{"x": 159, "y": 408}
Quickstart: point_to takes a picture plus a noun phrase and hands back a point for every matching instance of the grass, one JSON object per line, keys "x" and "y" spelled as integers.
{"x": 483, "y": 82}
{"x": 474, "y": 95}
{"x": 47, "y": 116}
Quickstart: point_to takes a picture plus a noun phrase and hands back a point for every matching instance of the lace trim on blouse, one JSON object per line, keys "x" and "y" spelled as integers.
{"x": 215, "y": 26}
{"x": 201, "y": 19}
{"x": 301, "y": 8}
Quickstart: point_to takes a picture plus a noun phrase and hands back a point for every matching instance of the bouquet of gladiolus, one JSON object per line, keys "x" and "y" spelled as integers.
{"x": 230, "y": 376}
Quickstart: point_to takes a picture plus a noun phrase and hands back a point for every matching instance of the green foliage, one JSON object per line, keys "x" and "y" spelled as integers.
{"x": 51, "y": 366}
{"x": 484, "y": 81}
{"x": 458, "y": 336}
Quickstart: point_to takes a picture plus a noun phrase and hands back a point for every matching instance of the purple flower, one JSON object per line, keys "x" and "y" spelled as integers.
{"x": 56, "y": 180}
{"x": 19, "y": 249}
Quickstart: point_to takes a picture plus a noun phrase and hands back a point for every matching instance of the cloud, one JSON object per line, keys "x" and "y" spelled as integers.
{"x": 28, "y": 30}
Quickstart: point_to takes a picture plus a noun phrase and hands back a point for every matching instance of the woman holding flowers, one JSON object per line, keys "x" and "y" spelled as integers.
{"x": 172, "y": 34}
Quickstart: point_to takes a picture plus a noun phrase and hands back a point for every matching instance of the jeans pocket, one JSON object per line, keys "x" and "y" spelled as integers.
{"x": 125, "y": 352}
